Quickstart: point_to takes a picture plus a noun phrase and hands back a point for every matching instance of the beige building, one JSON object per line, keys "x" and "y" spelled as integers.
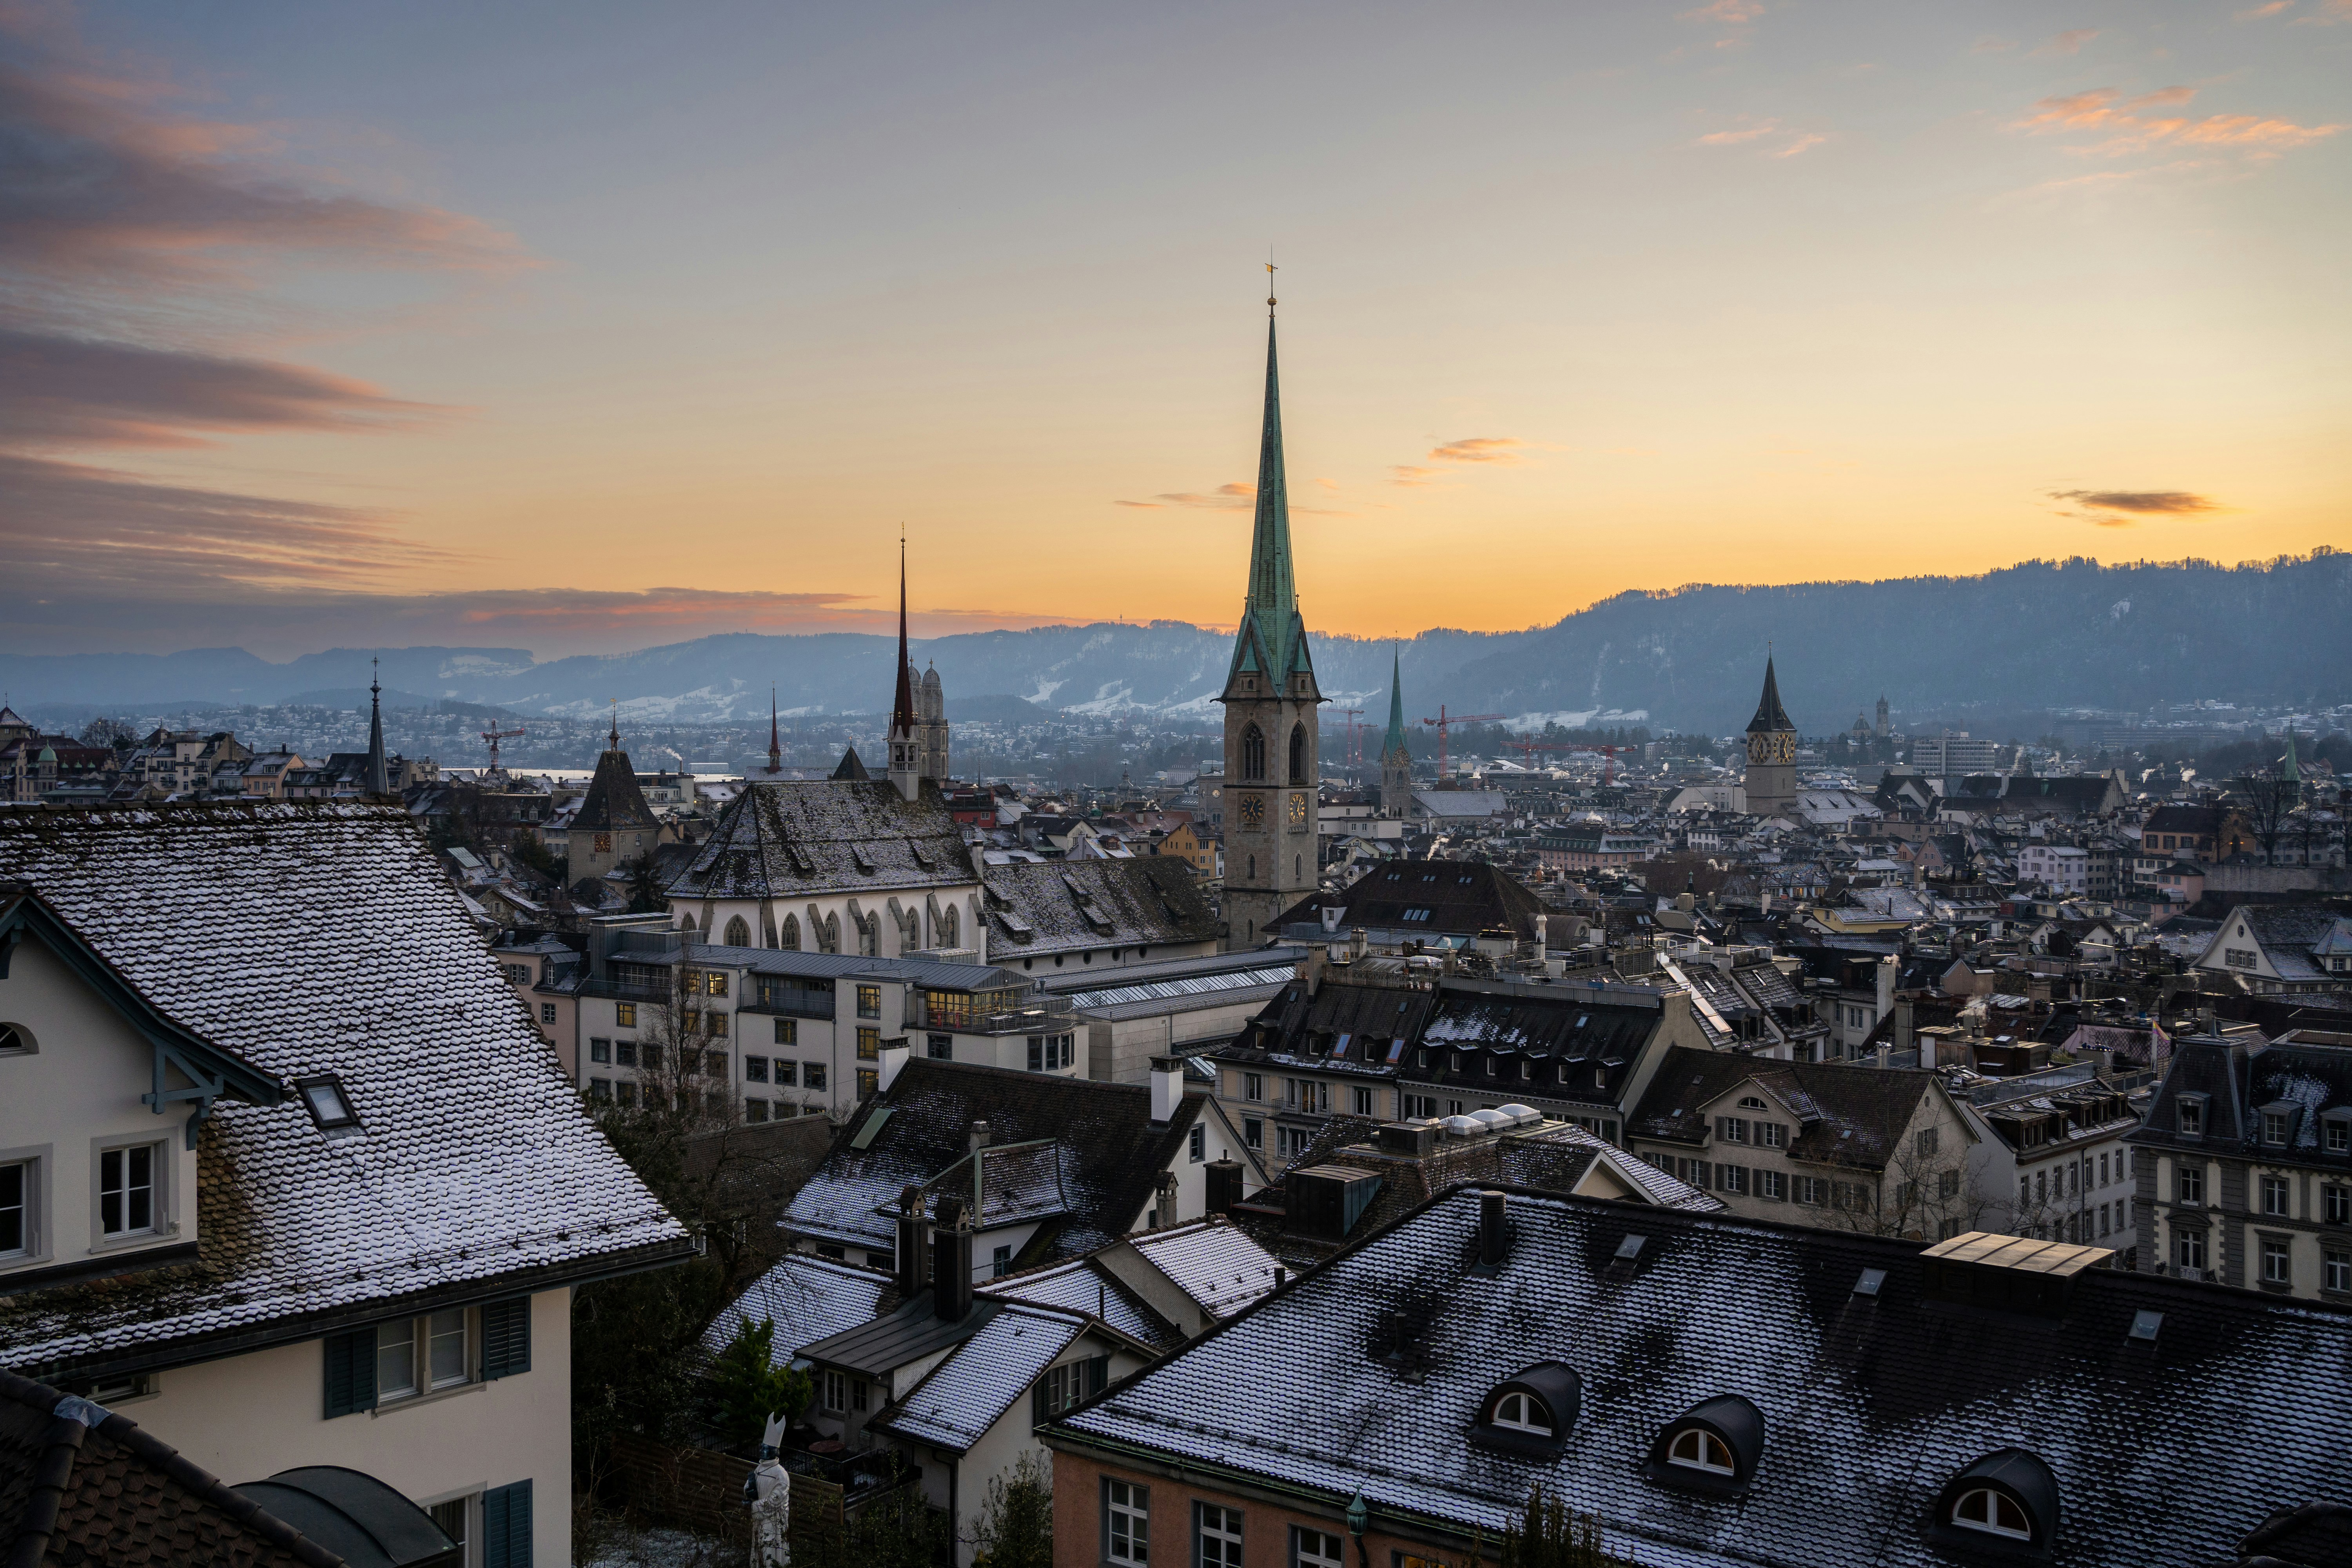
{"x": 229, "y": 1210}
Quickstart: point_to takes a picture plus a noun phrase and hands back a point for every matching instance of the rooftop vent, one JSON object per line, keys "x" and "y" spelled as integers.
{"x": 1413, "y": 1139}
{"x": 2009, "y": 1273}
{"x": 1325, "y": 1201}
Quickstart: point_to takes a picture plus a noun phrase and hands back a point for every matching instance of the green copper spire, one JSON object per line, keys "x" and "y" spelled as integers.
{"x": 2290, "y": 770}
{"x": 1273, "y": 639}
{"x": 1392, "y": 743}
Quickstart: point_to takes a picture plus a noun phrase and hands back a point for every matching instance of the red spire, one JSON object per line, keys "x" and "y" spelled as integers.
{"x": 902, "y": 707}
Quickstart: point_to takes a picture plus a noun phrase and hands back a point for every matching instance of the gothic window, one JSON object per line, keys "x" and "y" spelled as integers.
{"x": 1253, "y": 753}
{"x": 948, "y": 927}
{"x": 686, "y": 923}
{"x": 738, "y": 933}
{"x": 829, "y": 938}
{"x": 1298, "y": 753}
{"x": 869, "y": 937}
{"x": 790, "y": 941}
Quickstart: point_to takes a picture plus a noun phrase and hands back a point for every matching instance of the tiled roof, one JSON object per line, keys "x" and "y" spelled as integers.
{"x": 1214, "y": 1262}
{"x": 1848, "y": 1114}
{"x": 613, "y": 801}
{"x": 961, "y": 1398}
{"x": 808, "y": 837}
{"x": 2310, "y": 1082}
{"x": 1080, "y": 1285}
{"x": 1111, "y": 1153}
{"x": 1450, "y": 898}
{"x": 323, "y": 938}
{"x": 807, "y": 1298}
{"x": 1062, "y": 906}
{"x": 113, "y": 1494}
{"x": 1870, "y": 1403}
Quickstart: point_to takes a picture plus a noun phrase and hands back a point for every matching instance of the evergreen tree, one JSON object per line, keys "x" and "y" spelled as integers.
{"x": 747, "y": 1386}
{"x": 1548, "y": 1534}
{"x": 1015, "y": 1527}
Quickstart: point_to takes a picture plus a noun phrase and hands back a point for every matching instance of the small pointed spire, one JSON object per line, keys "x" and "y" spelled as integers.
{"x": 902, "y": 705}
{"x": 1392, "y": 743}
{"x": 613, "y": 740}
{"x": 379, "y": 776}
{"x": 1770, "y": 717}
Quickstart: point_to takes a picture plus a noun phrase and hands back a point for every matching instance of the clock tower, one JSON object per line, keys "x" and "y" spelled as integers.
{"x": 1270, "y": 699}
{"x": 1771, "y": 782}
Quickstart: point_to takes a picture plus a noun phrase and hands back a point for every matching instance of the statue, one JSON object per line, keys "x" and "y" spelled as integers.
{"x": 770, "y": 1492}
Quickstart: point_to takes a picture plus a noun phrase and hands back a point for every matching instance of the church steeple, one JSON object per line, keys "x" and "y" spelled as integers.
{"x": 1392, "y": 743}
{"x": 1770, "y": 717}
{"x": 775, "y": 741}
{"x": 1396, "y": 758}
{"x": 1272, "y": 640}
{"x": 379, "y": 776}
{"x": 905, "y": 759}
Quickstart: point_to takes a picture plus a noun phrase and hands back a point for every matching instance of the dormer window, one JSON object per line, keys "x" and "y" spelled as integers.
{"x": 2275, "y": 1125}
{"x": 2189, "y": 1117}
{"x": 1530, "y": 1413}
{"x": 1712, "y": 1448}
{"x": 1523, "y": 1412}
{"x": 2007, "y": 1498}
{"x": 1701, "y": 1450}
{"x": 1994, "y": 1513}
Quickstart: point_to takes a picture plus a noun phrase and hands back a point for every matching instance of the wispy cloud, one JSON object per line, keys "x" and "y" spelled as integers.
{"x": 2123, "y": 129}
{"x": 1789, "y": 142}
{"x": 2122, "y": 509}
{"x": 1411, "y": 476}
{"x": 2068, "y": 43}
{"x": 2257, "y": 13}
{"x": 1480, "y": 449}
{"x": 1224, "y": 498}
{"x": 2327, "y": 15}
{"x": 1736, "y": 17}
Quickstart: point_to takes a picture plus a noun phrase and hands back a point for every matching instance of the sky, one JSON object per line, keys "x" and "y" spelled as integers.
{"x": 585, "y": 328}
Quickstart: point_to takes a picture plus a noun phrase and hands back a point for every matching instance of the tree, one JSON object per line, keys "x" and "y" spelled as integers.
{"x": 645, "y": 884}
{"x": 747, "y": 1386}
{"x": 112, "y": 734}
{"x": 901, "y": 1531}
{"x": 534, "y": 852}
{"x": 2265, "y": 802}
{"x": 1548, "y": 1534}
{"x": 1015, "y": 1527}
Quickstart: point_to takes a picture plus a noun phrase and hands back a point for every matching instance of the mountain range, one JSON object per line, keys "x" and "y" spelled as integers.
{"x": 2037, "y": 635}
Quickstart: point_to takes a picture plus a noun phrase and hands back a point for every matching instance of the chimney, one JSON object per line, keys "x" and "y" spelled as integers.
{"x": 1885, "y": 1051}
{"x": 913, "y": 1258}
{"x": 1903, "y": 1038}
{"x": 1886, "y": 967}
{"x": 1685, "y": 902}
{"x": 979, "y": 1136}
{"x": 1494, "y": 1236}
{"x": 1225, "y": 1185}
{"x": 1167, "y": 1088}
{"x": 1164, "y": 1208}
{"x": 951, "y": 1263}
{"x": 894, "y": 1056}
{"x": 1359, "y": 943}
{"x": 1543, "y": 937}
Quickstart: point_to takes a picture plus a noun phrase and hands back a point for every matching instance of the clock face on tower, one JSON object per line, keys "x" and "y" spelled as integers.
{"x": 1298, "y": 811}
{"x": 1253, "y": 810}
{"x": 1772, "y": 747}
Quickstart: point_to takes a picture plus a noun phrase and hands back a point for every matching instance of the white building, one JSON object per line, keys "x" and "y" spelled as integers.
{"x": 284, "y": 1174}
{"x": 2061, "y": 867}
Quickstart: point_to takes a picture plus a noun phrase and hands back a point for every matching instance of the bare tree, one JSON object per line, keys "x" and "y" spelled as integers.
{"x": 2266, "y": 801}
{"x": 1924, "y": 1193}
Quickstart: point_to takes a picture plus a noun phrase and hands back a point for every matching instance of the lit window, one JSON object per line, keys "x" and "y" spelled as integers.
{"x": 1522, "y": 1413}
{"x": 1995, "y": 1514}
{"x": 1698, "y": 1449}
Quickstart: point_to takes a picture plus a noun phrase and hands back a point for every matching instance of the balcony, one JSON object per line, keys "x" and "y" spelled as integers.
{"x": 990, "y": 1014}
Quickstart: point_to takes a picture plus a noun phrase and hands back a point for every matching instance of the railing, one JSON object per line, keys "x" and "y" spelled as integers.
{"x": 1043, "y": 1016}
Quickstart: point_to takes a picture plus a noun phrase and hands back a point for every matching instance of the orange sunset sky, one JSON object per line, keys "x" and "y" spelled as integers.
{"x": 431, "y": 324}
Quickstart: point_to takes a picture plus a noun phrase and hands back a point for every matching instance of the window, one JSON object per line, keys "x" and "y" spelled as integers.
{"x": 2274, "y": 1126}
{"x": 940, "y": 1047}
{"x": 755, "y": 1069}
{"x": 127, "y": 1199}
{"x": 1363, "y": 1102}
{"x": 2189, "y": 1185}
{"x": 1812, "y": 1190}
{"x": 323, "y": 1097}
{"x": 416, "y": 1354}
{"x": 2238, "y": 957}
{"x": 785, "y": 1071}
{"x": 1253, "y": 753}
{"x": 651, "y": 1054}
{"x": 813, "y": 1075}
{"x": 1127, "y": 1521}
{"x": 1994, "y": 1513}
{"x": 626, "y": 1091}
{"x": 738, "y": 933}
{"x": 714, "y": 1024}
{"x": 868, "y": 1082}
{"x": 2336, "y": 1269}
{"x": 1253, "y": 1133}
{"x": 1419, "y": 1105}
{"x": 2274, "y": 1195}
{"x": 1731, "y": 1129}
{"x": 624, "y": 1014}
{"x": 2339, "y": 1136}
{"x": 547, "y": 1012}
{"x": 1066, "y": 1387}
{"x": 1948, "y": 1183}
{"x": 1772, "y": 1135}
{"x": 869, "y": 1042}
{"x": 517, "y": 974}
{"x": 1000, "y": 1263}
{"x": 1522, "y": 1413}
{"x": 1220, "y": 1533}
{"x": 2190, "y": 1117}
{"x": 788, "y": 1032}
{"x": 1196, "y": 1144}
{"x": 2278, "y": 1260}
{"x": 1924, "y": 1141}
{"x": 1772, "y": 1185}
{"x": 869, "y": 1001}
{"x": 1253, "y": 1086}
{"x": 755, "y": 1111}
{"x": 858, "y": 1388}
{"x": 2189, "y": 1251}
{"x": 1731, "y": 1179}
{"x": 1698, "y": 1449}
{"x": 836, "y": 1391}
{"x": 1316, "y": 1548}
{"x": 2335, "y": 1204}
{"x": 600, "y": 1050}
{"x": 16, "y": 1210}
{"x": 625, "y": 1052}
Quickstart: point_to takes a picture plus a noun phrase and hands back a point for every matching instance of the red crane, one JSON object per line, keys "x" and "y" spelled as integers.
{"x": 1443, "y": 719}
{"x": 1528, "y": 749}
{"x": 494, "y": 735}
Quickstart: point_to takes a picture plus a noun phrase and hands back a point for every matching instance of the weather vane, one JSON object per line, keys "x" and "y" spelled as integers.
{"x": 1269, "y": 279}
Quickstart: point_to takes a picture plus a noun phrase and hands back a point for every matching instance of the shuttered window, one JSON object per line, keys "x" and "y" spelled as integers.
{"x": 351, "y": 1372}
{"x": 505, "y": 1338}
{"x": 505, "y": 1526}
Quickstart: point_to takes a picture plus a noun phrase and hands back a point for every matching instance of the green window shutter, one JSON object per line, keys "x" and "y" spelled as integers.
{"x": 1097, "y": 1374}
{"x": 505, "y": 1338}
{"x": 351, "y": 1372}
{"x": 505, "y": 1526}
{"x": 1037, "y": 1411}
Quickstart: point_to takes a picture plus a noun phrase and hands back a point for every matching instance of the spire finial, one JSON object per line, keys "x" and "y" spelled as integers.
{"x": 616, "y": 736}
{"x": 1269, "y": 280}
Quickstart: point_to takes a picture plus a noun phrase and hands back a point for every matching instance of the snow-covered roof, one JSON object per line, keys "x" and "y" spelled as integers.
{"x": 323, "y": 938}
{"x": 965, "y": 1394}
{"x": 1081, "y": 1284}
{"x": 1870, "y": 1403}
{"x": 1216, "y": 1264}
{"x": 807, "y": 1298}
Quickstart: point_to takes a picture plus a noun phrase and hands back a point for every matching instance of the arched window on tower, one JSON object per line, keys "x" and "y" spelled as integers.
{"x": 1298, "y": 753}
{"x": 1253, "y": 753}
{"x": 739, "y": 932}
{"x": 1298, "y": 867}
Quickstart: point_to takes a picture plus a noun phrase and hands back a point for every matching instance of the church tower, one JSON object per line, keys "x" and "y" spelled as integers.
{"x": 1270, "y": 700}
{"x": 931, "y": 715}
{"x": 905, "y": 740}
{"x": 1396, "y": 762}
{"x": 1771, "y": 782}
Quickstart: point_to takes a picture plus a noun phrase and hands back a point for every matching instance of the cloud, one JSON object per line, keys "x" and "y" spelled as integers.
{"x": 2122, "y": 509}
{"x": 2070, "y": 42}
{"x": 1224, "y": 498}
{"x": 1988, "y": 44}
{"x": 2330, "y": 11}
{"x": 1733, "y": 138}
{"x": 60, "y": 390}
{"x": 1480, "y": 449}
{"x": 2105, "y": 110}
{"x": 1411, "y": 476}
{"x": 2257, "y": 13}
{"x": 1730, "y": 13}
{"x": 1797, "y": 141}
{"x": 1803, "y": 140}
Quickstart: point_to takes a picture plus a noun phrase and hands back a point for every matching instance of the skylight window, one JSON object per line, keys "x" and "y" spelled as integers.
{"x": 1872, "y": 1279}
{"x": 330, "y": 1106}
{"x": 1630, "y": 1249}
{"x": 2145, "y": 1324}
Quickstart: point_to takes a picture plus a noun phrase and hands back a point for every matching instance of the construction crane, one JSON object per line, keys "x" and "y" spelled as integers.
{"x": 1528, "y": 749}
{"x": 1443, "y": 719}
{"x": 494, "y": 735}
